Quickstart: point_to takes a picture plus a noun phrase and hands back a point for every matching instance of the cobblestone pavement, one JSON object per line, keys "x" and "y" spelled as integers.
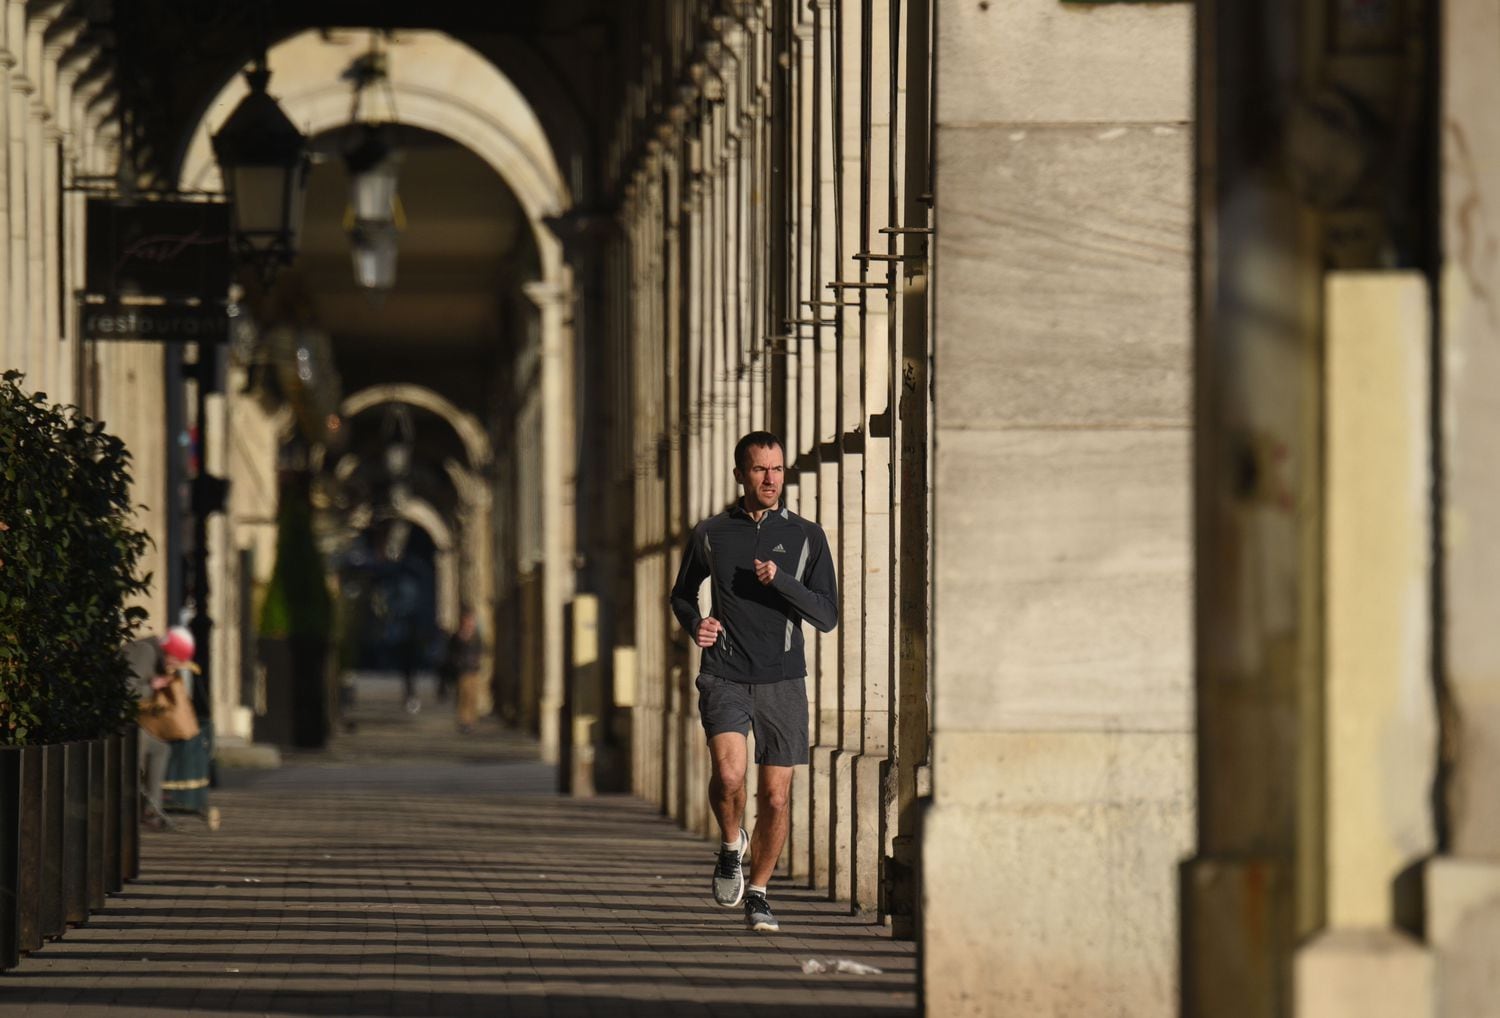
{"x": 409, "y": 871}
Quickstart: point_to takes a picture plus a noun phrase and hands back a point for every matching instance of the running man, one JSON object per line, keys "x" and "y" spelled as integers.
{"x": 770, "y": 569}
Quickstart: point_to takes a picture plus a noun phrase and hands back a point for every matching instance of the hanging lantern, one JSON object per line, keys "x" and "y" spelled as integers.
{"x": 373, "y": 249}
{"x": 263, "y": 159}
{"x": 374, "y": 164}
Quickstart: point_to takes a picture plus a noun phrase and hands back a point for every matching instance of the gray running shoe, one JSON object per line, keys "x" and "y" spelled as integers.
{"x": 758, "y": 914}
{"x": 729, "y": 874}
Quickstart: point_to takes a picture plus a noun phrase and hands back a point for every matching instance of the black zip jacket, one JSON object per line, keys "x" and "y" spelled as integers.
{"x": 762, "y": 636}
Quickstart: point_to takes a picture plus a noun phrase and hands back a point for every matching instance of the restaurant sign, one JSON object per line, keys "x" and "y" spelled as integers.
{"x": 157, "y": 270}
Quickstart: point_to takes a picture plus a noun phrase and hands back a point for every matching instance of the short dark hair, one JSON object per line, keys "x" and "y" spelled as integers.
{"x": 754, "y": 440}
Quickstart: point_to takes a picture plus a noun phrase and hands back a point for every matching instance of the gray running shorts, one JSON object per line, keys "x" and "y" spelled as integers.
{"x": 776, "y": 710}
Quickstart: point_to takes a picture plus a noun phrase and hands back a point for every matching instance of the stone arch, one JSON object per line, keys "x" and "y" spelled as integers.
{"x": 421, "y": 513}
{"x": 440, "y": 85}
{"x": 476, "y": 443}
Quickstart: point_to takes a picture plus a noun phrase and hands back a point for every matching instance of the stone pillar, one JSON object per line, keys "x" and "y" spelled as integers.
{"x": 801, "y": 332}
{"x": 912, "y": 374}
{"x": 38, "y": 226}
{"x": 879, "y": 333}
{"x": 11, "y": 351}
{"x": 70, "y": 123}
{"x": 1381, "y": 732}
{"x": 823, "y": 310}
{"x": 56, "y": 100}
{"x": 1062, "y": 746}
{"x": 18, "y": 98}
{"x": 845, "y": 240}
{"x": 1463, "y": 883}
{"x": 553, "y": 304}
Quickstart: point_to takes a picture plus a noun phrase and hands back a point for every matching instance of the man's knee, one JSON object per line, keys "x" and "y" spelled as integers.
{"x": 730, "y": 783}
{"x": 774, "y": 799}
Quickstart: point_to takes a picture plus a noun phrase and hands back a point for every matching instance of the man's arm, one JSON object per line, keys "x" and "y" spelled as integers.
{"x": 690, "y": 576}
{"x": 817, "y": 597}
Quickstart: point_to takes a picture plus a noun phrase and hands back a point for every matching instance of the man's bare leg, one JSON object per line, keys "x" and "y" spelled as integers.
{"x": 726, "y": 788}
{"x": 772, "y": 821}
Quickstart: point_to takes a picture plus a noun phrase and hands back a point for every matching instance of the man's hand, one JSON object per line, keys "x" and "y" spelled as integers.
{"x": 708, "y": 632}
{"x": 161, "y": 681}
{"x": 765, "y": 572}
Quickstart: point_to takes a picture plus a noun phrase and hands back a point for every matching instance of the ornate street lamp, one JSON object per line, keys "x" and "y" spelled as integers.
{"x": 374, "y": 163}
{"x": 264, "y": 162}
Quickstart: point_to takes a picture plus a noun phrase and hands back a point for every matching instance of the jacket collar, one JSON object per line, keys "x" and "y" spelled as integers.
{"x": 738, "y": 509}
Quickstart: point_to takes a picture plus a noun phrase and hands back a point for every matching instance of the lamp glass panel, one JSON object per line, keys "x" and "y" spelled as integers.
{"x": 260, "y": 202}
{"x": 375, "y": 260}
{"x": 373, "y": 193}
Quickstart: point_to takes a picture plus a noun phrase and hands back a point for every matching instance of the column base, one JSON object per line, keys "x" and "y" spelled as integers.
{"x": 797, "y": 857}
{"x": 1463, "y": 929}
{"x": 549, "y": 725}
{"x": 1374, "y": 973}
{"x": 869, "y": 843}
{"x": 820, "y": 777}
{"x": 1238, "y": 938}
{"x": 841, "y": 847}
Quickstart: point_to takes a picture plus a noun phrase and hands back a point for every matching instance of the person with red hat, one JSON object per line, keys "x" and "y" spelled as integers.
{"x": 154, "y": 662}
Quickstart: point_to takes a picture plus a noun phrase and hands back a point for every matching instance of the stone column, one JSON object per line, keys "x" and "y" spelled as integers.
{"x": 802, "y": 434}
{"x": 12, "y": 353}
{"x": 475, "y": 573}
{"x": 677, "y": 657}
{"x": 56, "y": 100}
{"x": 824, "y": 311}
{"x": 909, "y": 722}
{"x": 18, "y": 98}
{"x": 1062, "y": 745}
{"x": 878, "y": 332}
{"x": 40, "y": 231}
{"x": 1463, "y": 883}
{"x": 553, "y": 304}
{"x": 847, "y": 240}
{"x": 1381, "y": 733}
{"x": 74, "y": 208}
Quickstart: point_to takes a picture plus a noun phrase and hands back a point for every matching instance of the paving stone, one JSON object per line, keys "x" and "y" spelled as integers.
{"x": 411, "y": 871}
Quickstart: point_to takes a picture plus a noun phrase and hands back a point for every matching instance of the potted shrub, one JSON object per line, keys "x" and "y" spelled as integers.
{"x": 68, "y": 570}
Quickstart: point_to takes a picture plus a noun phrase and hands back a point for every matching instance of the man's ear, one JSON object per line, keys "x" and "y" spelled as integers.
{"x": 738, "y": 477}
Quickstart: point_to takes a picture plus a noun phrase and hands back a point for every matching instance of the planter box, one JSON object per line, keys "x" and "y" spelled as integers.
{"x": 10, "y": 843}
{"x": 130, "y": 805}
{"x": 54, "y": 787}
{"x": 75, "y": 842}
{"x": 68, "y": 834}
{"x": 94, "y": 858}
{"x": 112, "y": 819}
{"x": 20, "y": 852}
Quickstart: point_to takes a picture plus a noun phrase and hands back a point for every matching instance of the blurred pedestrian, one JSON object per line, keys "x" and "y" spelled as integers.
{"x": 465, "y": 658}
{"x": 166, "y": 711}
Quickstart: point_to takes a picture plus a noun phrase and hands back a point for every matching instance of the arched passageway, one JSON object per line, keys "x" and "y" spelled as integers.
{"x": 473, "y": 332}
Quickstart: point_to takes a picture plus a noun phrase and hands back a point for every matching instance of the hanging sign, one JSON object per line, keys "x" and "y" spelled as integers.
{"x": 158, "y": 248}
{"x": 159, "y": 323}
{"x": 158, "y": 270}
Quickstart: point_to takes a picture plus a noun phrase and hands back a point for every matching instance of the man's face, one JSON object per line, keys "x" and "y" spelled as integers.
{"x": 762, "y": 477}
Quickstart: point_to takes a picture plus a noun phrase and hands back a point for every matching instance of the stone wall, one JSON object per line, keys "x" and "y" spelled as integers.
{"x": 1062, "y": 692}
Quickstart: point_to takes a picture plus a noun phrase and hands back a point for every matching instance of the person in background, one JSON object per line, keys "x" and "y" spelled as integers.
{"x": 465, "y": 659}
{"x": 153, "y": 660}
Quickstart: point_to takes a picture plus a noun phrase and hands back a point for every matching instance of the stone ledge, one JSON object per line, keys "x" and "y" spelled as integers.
{"x": 1364, "y": 973}
{"x": 249, "y": 756}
